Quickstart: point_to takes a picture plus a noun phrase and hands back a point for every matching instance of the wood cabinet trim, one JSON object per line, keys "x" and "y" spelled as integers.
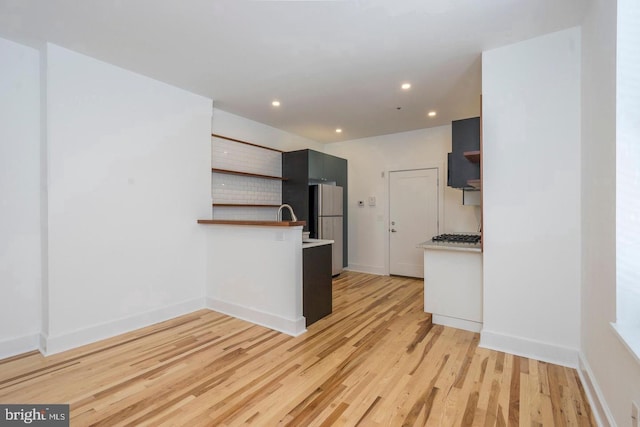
{"x": 481, "y": 179}
{"x": 475, "y": 183}
{"x": 472, "y": 156}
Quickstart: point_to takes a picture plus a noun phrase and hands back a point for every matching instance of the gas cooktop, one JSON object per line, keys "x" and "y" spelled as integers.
{"x": 457, "y": 238}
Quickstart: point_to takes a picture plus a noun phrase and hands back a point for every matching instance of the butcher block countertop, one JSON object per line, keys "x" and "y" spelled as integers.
{"x": 243, "y": 222}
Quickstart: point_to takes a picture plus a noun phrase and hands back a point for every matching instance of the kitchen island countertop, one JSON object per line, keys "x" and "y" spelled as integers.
{"x": 312, "y": 243}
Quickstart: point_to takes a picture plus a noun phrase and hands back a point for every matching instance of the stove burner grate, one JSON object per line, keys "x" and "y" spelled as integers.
{"x": 457, "y": 238}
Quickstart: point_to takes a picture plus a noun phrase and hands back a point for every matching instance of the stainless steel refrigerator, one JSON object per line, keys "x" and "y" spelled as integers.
{"x": 325, "y": 206}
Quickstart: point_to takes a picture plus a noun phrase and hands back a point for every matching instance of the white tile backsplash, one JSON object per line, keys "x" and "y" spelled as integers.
{"x": 247, "y": 214}
{"x": 246, "y": 190}
{"x": 245, "y": 158}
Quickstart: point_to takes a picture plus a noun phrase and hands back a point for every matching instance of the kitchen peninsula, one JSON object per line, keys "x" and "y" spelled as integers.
{"x": 255, "y": 271}
{"x": 256, "y": 267}
{"x": 453, "y": 283}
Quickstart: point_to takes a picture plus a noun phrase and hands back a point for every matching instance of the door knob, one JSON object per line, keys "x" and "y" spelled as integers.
{"x": 393, "y": 230}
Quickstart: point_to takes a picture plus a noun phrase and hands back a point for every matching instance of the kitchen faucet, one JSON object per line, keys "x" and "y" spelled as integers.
{"x": 279, "y": 215}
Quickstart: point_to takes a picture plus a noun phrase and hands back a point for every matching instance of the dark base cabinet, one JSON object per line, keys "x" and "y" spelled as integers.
{"x": 317, "y": 292}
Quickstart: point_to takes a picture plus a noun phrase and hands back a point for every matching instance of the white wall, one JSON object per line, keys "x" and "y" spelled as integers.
{"x": 531, "y": 106}
{"x": 611, "y": 372}
{"x": 128, "y": 176}
{"x": 367, "y": 159}
{"x": 628, "y": 168}
{"x": 19, "y": 198}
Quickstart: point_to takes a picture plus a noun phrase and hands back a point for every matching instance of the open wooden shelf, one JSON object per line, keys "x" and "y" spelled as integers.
{"x": 475, "y": 183}
{"x": 243, "y": 205}
{"x": 255, "y": 175}
{"x": 472, "y": 156}
{"x": 245, "y": 142}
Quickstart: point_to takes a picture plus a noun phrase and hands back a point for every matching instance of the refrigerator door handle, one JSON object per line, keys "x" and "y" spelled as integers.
{"x": 319, "y": 200}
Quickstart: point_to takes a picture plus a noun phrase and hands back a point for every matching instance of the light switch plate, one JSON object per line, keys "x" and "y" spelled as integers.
{"x": 372, "y": 200}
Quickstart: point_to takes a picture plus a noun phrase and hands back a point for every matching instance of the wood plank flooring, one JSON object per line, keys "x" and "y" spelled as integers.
{"x": 376, "y": 361}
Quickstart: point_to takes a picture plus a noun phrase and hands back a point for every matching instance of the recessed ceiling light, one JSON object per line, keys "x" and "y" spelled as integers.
{"x": 276, "y": 103}
{"x": 432, "y": 114}
{"x": 406, "y": 86}
{"x": 338, "y": 130}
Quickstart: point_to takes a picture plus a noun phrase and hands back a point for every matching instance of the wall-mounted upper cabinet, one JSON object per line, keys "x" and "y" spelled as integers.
{"x": 315, "y": 162}
{"x": 464, "y": 160}
{"x": 326, "y": 168}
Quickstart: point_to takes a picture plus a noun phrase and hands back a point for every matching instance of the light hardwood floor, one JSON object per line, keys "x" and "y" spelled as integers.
{"x": 376, "y": 361}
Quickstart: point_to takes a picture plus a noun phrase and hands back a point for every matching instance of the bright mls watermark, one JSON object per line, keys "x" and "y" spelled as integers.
{"x": 34, "y": 415}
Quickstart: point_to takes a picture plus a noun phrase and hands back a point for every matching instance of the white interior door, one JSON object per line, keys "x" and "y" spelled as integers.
{"x": 413, "y": 218}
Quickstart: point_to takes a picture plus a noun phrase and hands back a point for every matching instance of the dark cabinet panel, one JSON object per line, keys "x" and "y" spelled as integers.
{"x": 317, "y": 292}
{"x": 316, "y": 165}
{"x": 465, "y": 136}
{"x": 295, "y": 190}
{"x": 335, "y": 170}
{"x": 308, "y": 166}
{"x": 325, "y": 168}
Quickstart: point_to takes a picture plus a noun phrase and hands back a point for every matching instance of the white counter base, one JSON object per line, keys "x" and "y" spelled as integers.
{"x": 453, "y": 287}
{"x": 290, "y": 327}
{"x": 467, "y": 325}
{"x": 254, "y": 273}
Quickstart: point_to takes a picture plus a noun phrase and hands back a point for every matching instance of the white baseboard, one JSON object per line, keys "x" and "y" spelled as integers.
{"x": 454, "y": 322}
{"x": 271, "y": 321}
{"x": 380, "y": 271}
{"x": 55, "y": 344}
{"x": 15, "y": 346}
{"x": 532, "y": 349}
{"x": 601, "y": 411}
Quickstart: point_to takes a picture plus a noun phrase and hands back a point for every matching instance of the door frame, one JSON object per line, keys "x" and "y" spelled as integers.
{"x": 441, "y": 181}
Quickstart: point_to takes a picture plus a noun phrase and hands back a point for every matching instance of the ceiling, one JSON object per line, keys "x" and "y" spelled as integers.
{"x": 331, "y": 64}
